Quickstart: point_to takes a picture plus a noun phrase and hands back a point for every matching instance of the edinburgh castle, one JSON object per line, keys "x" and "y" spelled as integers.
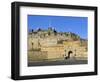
{"x": 51, "y": 45}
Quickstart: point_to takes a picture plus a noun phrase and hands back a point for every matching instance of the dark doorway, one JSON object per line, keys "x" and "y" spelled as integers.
{"x": 67, "y": 57}
{"x": 70, "y": 52}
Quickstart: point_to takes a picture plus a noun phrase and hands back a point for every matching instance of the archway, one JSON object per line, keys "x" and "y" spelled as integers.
{"x": 69, "y": 54}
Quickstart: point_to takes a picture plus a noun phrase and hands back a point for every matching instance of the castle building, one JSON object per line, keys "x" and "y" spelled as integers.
{"x": 48, "y": 46}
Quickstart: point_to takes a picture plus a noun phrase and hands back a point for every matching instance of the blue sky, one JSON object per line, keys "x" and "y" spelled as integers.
{"x": 78, "y": 25}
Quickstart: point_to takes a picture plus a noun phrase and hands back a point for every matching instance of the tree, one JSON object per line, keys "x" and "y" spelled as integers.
{"x": 49, "y": 33}
{"x": 32, "y": 30}
{"x": 39, "y": 29}
{"x": 55, "y": 32}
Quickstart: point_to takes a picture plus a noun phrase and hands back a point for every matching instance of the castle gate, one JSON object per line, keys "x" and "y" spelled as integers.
{"x": 69, "y": 54}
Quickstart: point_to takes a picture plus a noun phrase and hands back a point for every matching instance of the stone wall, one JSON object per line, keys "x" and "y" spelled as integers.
{"x": 49, "y": 49}
{"x": 37, "y": 56}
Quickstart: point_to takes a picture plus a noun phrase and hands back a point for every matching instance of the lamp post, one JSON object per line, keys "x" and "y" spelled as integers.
{"x": 65, "y": 54}
{"x": 32, "y": 45}
{"x": 75, "y": 52}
